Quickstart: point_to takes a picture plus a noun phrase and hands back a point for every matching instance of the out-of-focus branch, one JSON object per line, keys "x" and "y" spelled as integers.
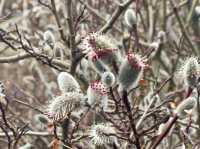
{"x": 7, "y": 127}
{"x": 15, "y": 58}
{"x": 72, "y": 35}
{"x": 44, "y": 4}
{"x": 120, "y": 9}
{"x": 183, "y": 30}
{"x": 191, "y": 12}
{"x": 32, "y": 133}
{"x": 129, "y": 112}
{"x": 28, "y": 105}
{"x": 2, "y": 4}
{"x": 22, "y": 56}
{"x": 183, "y": 3}
{"x": 165, "y": 132}
{"x": 29, "y": 52}
{"x": 54, "y": 11}
{"x": 93, "y": 11}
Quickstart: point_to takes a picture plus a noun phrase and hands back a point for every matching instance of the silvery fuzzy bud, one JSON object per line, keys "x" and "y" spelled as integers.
{"x": 161, "y": 128}
{"x": 97, "y": 42}
{"x": 185, "y": 106}
{"x": 2, "y": 88}
{"x": 102, "y": 134}
{"x": 155, "y": 45}
{"x": 130, "y": 71}
{"x": 2, "y": 94}
{"x": 183, "y": 146}
{"x": 197, "y": 10}
{"x": 42, "y": 119}
{"x": 61, "y": 106}
{"x": 164, "y": 126}
{"x": 190, "y": 72}
{"x": 67, "y": 83}
{"x": 108, "y": 79}
{"x": 97, "y": 94}
{"x": 49, "y": 38}
{"x": 26, "y": 146}
{"x": 59, "y": 49}
{"x": 101, "y": 47}
{"x": 161, "y": 36}
{"x": 130, "y": 18}
{"x": 96, "y": 63}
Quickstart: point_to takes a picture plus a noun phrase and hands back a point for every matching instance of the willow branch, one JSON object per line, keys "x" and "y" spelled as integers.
{"x": 183, "y": 30}
{"x": 32, "y": 133}
{"x": 120, "y": 9}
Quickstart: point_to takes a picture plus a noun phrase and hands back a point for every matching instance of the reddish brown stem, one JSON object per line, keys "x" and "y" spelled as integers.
{"x": 128, "y": 108}
{"x": 165, "y": 132}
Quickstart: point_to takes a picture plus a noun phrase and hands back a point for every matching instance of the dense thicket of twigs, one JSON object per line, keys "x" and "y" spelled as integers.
{"x": 41, "y": 38}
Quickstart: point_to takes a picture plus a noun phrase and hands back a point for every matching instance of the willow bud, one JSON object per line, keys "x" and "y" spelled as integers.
{"x": 2, "y": 94}
{"x": 197, "y": 10}
{"x": 40, "y": 118}
{"x": 185, "y": 106}
{"x": 49, "y": 38}
{"x": 130, "y": 18}
{"x": 100, "y": 48}
{"x": 27, "y": 146}
{"x": 61, "y": 106}
{"x": 102, "y": 134}
{"x": 131, "y": 71}
{"x": 190, "y": 72}
{"x": 97, "y": 93}
{"x": 67, "y": 83}
{"x": 108, "y": 79}
{"x": 96, "y": 63}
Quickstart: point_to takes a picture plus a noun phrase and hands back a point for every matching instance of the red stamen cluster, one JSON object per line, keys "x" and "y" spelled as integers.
{"x": 98, "y": 87}
{"x": 100, "y": 53}
{"x": 90, "y": 42}
{"x": 135, "y": 61}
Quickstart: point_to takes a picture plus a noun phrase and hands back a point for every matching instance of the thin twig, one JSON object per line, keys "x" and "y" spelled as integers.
{"x": 120, "y": 9}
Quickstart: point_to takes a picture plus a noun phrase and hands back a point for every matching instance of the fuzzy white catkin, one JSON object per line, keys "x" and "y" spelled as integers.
{"x": 197, "y": 10}
{"x": 108, "y": 79}
{"x": 100, "y": 134}
{"x": 40, "y": 118}
{"x": 49, "y": 38}
{"x": 186, "y": 105}
{"x": 26, "y": 146}
{"x": 109, "y": 47}
{"x": 2, "y": 88}
{"x": 67, "y": 83}
{"x": 130, "y": 18}
{"x": 190, "y": 71}
{"x": 40, "y": 121}
{"x": 102, "y": 52}
{"x": 2, "y": 94}
{"x": 161, "y": 36}
{"x": 97, "y": 65}
{"x": 61, "y": 106}
{"x": 129, "y": 75}
{"x": 94, "y": 98}
{"x": 161, "y": 128}
{"x": 97, "y": 94}
{"x": 99, "y": 42}
{"x": 183, "y": 146}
